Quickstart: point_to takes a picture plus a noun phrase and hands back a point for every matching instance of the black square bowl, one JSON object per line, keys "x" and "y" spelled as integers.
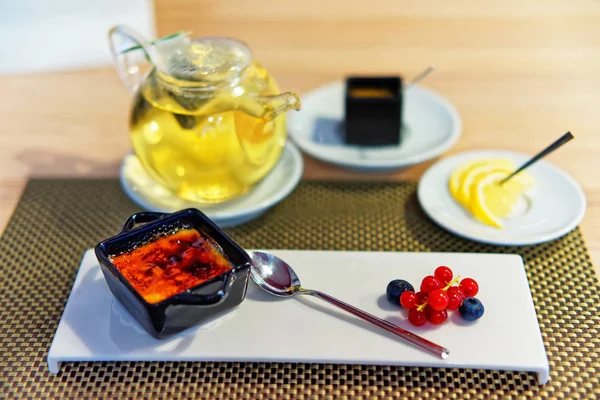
{"x": 186, "y": 309}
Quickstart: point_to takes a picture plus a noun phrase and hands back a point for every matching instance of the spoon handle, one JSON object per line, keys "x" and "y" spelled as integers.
{"x": 558, "y": 143}
{"x": 396, "y": 330}
{"x": 421, "y": 76}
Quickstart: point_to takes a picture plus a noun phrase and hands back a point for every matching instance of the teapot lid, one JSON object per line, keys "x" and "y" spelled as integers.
{"x": 208, "y": 61}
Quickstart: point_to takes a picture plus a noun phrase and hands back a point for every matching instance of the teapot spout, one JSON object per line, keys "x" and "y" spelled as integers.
{"x": 269, "y": 107}
{"x": 282, "y": 102}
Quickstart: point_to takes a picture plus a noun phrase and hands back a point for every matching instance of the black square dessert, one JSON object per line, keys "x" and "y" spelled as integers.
{"x": 373, "y": 111}
{"x": 174, "y": 271}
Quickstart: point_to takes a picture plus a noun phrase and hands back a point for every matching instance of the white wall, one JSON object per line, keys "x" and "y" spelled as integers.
{"x": 50, "y": 35}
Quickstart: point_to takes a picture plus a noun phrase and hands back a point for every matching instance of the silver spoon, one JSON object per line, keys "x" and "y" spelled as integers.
{"x": 420, "y": 77}
{"x": 275, "y": 276}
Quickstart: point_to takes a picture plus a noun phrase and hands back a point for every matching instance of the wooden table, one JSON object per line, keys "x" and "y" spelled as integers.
{"x": 521, "y": 73}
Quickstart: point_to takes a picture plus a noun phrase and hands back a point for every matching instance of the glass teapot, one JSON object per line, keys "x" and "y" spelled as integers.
{"x": 207, "y": 120}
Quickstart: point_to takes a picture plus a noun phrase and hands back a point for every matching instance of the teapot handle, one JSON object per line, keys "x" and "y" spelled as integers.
{"x": 130, "y": 55}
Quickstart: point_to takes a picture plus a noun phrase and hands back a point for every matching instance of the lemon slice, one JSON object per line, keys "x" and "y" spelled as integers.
{"x": 459, "y": 174}
{"x": 524, "y": 179}
{"x": 473, "y": 176}
{"x": 456, "y": 176}
{"x": 475, "y": 185}
{"x": 492, "y": 202}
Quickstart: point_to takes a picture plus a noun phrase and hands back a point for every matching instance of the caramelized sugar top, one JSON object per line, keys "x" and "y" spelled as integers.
{"x": 172, "y": 264}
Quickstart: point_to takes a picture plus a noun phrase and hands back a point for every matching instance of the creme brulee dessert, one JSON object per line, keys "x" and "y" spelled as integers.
{"x": 172, "y": 264}
{"x": 475, "y": 184}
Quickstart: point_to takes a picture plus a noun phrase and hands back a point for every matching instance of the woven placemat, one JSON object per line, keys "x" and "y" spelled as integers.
{"x": 57, "y": 220}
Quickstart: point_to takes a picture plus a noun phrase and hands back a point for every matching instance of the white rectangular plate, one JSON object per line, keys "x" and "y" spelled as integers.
{"x": 95, "y": 327}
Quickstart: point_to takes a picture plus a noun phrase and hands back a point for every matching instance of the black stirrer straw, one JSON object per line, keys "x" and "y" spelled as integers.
{"x": 558, "y": 143}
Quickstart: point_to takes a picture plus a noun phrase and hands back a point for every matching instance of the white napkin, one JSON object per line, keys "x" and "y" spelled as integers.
{"x": 42, "y": 35}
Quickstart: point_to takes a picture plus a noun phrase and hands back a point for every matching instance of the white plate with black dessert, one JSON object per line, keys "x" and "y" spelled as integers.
{"x": 374, "y": 123}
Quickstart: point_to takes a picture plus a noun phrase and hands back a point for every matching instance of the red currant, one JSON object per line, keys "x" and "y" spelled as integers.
{"x": 456, "y": 289}
{"x": 437, "y": 317}
{"x": 469, "y": 287}
{"x": 455, "y": 297}
{"x": 421, "y": 298}
{"x": 438, "y": 299}
{"x": 443, "y": 273}
{"x": 408, "y": 300}
{"x": 430, "y": 283}
{"x": 417, "y": 318}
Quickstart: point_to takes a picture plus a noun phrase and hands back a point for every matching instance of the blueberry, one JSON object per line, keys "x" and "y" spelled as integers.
{"x": 471, "y": 309}
{"x": 395, "y": 289}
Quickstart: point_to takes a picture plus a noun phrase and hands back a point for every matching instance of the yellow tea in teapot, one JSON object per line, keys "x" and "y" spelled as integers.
{"x": 206, "y": 121}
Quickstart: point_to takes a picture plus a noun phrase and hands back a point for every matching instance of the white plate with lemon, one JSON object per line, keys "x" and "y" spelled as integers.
{"x": 462, "y": 194}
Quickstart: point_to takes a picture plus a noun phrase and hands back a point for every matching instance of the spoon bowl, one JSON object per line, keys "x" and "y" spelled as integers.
{"x": 273, "y": 275}
{"x": 277, "y": 277}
